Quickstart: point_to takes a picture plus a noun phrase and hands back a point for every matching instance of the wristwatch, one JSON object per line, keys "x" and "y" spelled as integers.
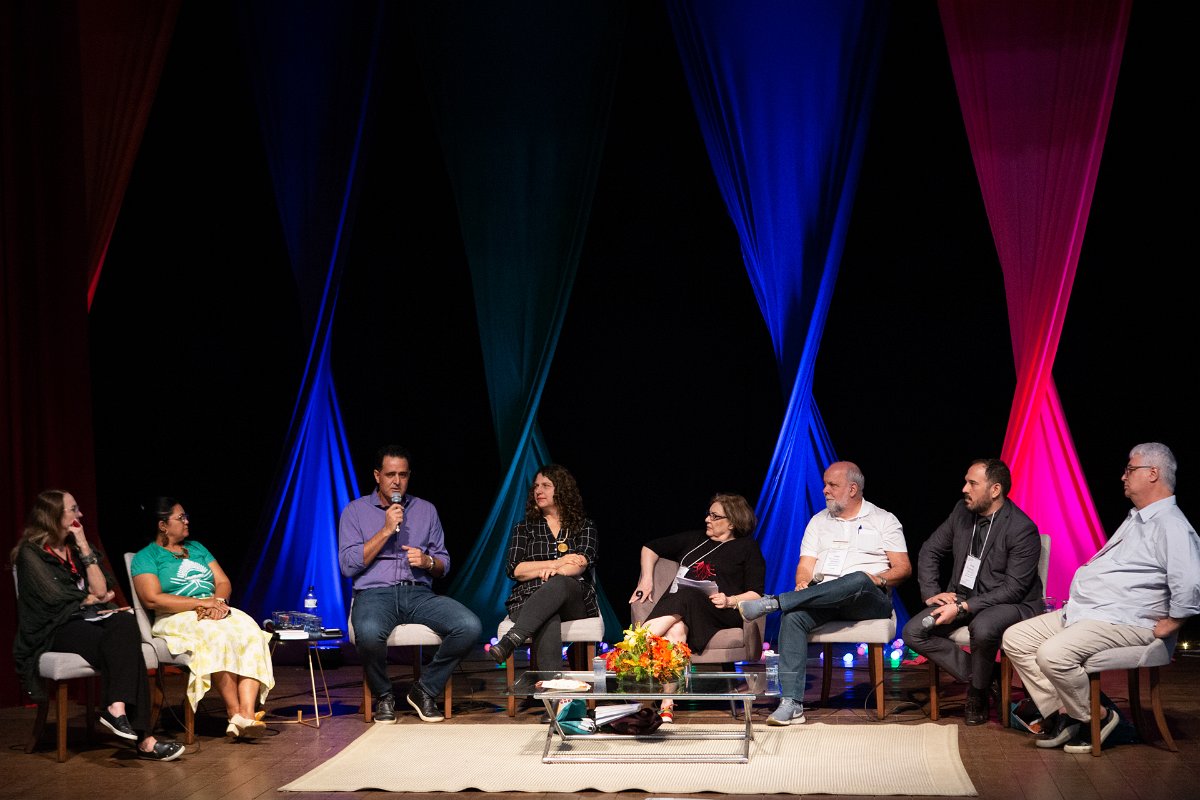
{"x": 883, "y": 584}
{"x": 432, "y": 563}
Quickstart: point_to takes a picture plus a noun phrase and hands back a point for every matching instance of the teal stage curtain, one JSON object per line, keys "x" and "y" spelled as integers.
{"x": 521, "y": 96}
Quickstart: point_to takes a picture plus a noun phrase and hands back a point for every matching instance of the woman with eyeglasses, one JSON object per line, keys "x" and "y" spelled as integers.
{"x": 182, "y": 583}
{"x": 718, "y": 567}
{"x": 64, "y": 604}
{"x": 550, "y": 556}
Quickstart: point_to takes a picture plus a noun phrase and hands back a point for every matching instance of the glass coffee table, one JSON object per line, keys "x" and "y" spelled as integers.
{"x": 735, "y": 687}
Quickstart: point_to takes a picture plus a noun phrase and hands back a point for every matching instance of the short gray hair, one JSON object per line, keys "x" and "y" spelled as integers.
{"x": 1157, "y": 454}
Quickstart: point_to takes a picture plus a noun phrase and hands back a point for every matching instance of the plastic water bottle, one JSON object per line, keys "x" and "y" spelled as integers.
{"x": 771, "y": 659}
{"x": 310, "y": 601}
{"x": 599, "y": 672}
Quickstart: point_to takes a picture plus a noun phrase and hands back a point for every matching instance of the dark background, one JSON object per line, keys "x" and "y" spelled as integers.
{"x": 664, "y": 387}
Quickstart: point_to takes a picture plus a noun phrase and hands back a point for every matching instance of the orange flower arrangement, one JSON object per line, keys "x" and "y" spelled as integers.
{"x": 643, "y": 656}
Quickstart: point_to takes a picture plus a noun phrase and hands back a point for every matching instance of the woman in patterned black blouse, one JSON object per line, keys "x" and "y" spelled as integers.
{"x": 550, "y": 556}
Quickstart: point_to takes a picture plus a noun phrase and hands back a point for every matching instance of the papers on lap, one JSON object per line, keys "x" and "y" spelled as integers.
{"x": 708, "y": 587}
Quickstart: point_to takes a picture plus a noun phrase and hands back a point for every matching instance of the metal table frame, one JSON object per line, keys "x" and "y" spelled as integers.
{"x": 313, "y": 642}
{"x": 738, "y": 687}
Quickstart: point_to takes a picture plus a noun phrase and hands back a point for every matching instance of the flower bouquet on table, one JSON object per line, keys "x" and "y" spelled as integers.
{"x": 642, "y": 657}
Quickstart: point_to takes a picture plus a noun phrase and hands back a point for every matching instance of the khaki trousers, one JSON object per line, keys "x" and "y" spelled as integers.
{"x": 1049, "y": 658}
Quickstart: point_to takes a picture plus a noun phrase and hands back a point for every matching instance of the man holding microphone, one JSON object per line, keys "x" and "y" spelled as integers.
{"x": 392, "y": 545}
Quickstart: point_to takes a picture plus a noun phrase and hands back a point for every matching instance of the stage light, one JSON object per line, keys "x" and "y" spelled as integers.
{"x": 896, "y": 655}
{"x": 862, "y": 649}
{"x": 848, "y": 659}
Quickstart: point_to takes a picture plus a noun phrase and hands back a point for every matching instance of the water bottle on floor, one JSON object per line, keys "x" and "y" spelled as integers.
{"x": 771, "y": 660}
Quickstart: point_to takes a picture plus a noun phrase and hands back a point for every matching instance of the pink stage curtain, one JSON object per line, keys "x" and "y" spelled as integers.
{"x": 1036, "y": 82}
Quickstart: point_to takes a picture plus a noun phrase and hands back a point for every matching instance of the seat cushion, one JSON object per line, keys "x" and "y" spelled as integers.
{"x": 1155, "y": 654}
{"x": 589, "y": 629}
{"x": 64, "y": 666}
{"x": 871, "y": 631}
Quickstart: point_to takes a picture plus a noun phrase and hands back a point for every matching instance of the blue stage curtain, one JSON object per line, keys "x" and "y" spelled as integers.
{"x": 783, "y": 93}
{"x": 312, "y": 67}
{"x": 520, "y": 96}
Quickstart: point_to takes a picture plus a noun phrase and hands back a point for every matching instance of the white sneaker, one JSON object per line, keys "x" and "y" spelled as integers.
{"x": 789, "y": 711}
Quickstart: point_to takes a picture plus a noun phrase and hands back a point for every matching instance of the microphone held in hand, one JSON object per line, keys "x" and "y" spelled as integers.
{"x": 816, "y": 578}
{"x": 928, "y": 622}
{"x": 397, "y": 499}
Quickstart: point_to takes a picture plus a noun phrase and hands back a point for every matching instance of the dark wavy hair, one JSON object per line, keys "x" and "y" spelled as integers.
{"x": 566, "y": 498}
{"x": 737, "y": 511}
{"x": 43, "y": 520}
{"x": 158, "y": 510}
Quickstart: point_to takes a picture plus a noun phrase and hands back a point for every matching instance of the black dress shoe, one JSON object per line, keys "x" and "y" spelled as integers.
{"x": 423, "y": 704}
{"x": 118, "y": 725}
{"x": 162, "y": 751}
{"x": 977, "y": 706}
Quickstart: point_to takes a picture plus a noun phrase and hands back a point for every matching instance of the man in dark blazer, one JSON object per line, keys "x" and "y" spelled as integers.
{"x": 990, "y": 548}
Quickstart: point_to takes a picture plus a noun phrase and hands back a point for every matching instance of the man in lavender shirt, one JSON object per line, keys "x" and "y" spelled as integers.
{"x": 391, "y": 544}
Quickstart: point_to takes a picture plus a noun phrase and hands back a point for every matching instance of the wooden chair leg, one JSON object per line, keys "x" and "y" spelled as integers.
{"x": 935, "y": 676}
{"x": 1134, "y": 682}
{"x": 1156, "y": 705}
{"x": 368, "y": 711}
{"x": 1094, "y": 684}
{"x": 39, "y": 722}
{"x": 510, "y": 677}
{"x": 826, "y": 674}
{"x": 589, "y": 653}
{"x": 449, "y": 691}
{"x": 875, "y": 651}
{"x": 189, "y": 721}
{"x": 91, "y": 695}
{"x": 60, "y": 691}
{"x": 1005, "y": 688}
{"x": 157, "y": 693}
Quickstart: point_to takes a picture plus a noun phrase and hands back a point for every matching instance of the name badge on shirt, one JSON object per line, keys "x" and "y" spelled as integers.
{"x": 969, "y": 573}
{"x": 835, "y": 562}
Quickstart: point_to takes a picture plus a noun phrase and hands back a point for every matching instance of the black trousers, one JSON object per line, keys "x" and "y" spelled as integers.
{"x": 113, "y": 646}
{"x": 559, "y": 598}
{"x": 986, "y": 628}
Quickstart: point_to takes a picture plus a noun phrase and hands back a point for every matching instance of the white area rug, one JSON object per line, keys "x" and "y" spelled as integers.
{"x": 805, "y": 759}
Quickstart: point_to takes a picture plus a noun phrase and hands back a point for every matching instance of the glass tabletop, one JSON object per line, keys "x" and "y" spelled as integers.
{"x": 694, "y": 685}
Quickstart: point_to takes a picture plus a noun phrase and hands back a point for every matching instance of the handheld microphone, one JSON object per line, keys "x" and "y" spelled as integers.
{"x": 816, "y": 578}
{"x": 928, "y": 622}
{"x": 396, "y": 500}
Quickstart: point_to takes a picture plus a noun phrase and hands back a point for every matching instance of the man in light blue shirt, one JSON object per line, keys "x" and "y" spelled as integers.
{"x": 1143, "y": 584}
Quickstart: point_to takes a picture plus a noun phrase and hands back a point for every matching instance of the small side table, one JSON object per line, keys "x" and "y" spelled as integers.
{"x": 313, "y": 642}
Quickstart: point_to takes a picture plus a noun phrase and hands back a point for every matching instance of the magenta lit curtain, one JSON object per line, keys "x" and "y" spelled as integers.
{"x": 1036, "y": 81}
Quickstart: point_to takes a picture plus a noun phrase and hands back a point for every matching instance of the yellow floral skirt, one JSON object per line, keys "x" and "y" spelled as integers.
{"x": 235, "y": 644}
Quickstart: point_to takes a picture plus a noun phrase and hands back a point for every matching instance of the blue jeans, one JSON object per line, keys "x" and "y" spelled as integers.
{"x": 854, "y": 597}
{"x": 377, "y": 611}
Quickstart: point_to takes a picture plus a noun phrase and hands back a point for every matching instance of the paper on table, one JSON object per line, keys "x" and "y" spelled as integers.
{"x": 563, "y": 685}
{"x": 708, "y": 587}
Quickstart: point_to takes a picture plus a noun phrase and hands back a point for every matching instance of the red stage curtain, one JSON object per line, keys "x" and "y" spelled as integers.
{"x": 1036, "y": 83}
{"x": 68, "y": 136}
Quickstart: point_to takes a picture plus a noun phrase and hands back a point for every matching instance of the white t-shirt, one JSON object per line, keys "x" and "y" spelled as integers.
{"x": 867, "y": 538}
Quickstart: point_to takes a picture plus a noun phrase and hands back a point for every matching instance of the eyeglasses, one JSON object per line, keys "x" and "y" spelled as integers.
{"x": 715, "y": 517}
{"x": 181, "y": 518}
{"x": 1130, "y": 468}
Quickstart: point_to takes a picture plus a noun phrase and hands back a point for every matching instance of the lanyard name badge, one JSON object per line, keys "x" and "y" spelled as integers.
{"x": 971, "y": 567}
{"x": 683, "y": 568}
{"x": 837, "y": 556}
